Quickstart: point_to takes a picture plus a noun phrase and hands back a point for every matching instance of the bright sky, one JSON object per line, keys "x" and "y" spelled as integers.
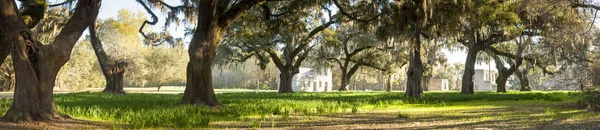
{"x": 110, "y": 8}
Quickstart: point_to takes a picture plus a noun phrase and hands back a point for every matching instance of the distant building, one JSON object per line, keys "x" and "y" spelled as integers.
{"x": 311, "y": 80}
{"x": 439, "y": 85}
{"x": 485, "y": 80}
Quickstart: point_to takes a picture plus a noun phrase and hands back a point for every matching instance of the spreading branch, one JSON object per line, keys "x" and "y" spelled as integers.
{"x": 66, "y": 2}
{"x": 529, "y": 59}
{"x": 305, "y": 42}
{"x": 153, "y": 22}
{"x": 341, "y": 9}
{"x": 173, "y": 8}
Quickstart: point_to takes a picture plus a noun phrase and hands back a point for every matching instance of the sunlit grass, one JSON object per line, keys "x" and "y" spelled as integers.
{"x": 161, "y": 110}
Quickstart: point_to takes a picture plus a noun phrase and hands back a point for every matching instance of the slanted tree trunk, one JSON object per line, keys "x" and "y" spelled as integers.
{"x": 426, "y": 79}
{"x": 344, "y": 84}
{"x": 522, "y": 76}
{"x": 415, "y": 68}
{"x": 469, "y": 72}
{"x": 504, "y": 73}
{"x": 112, "y": 69}
{"x": 160, "y": 84}
{"x": 37, "y": 65}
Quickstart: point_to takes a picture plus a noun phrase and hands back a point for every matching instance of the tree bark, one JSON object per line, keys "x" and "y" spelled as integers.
{"x": 389, "y": 83}
{"x": 501, "y": 84}
{"x": 415, "y": 68}
{"x": 112, "y": 69}
{"x": 285, "y": 83}
{"x": 504, "y": 73}
{"x": 37, "y": 65}
{"x": 213, "y": 20}
{"x": 345, "y": 81}
{"x": 202, "y": 50}
{"x": 469, "y": 72}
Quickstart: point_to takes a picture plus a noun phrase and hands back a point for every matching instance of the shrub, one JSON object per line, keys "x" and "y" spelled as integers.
{"x": 592, "y": 100}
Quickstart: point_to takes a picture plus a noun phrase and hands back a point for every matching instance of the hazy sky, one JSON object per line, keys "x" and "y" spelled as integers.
{"x": 110, "y": 8}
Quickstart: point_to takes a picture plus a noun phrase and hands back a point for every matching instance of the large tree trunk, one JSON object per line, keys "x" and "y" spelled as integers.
{"x": 112, "y": 69}
{"x": 347, "y": 75}
{"x": 114, "y": 83}
{"x": 504, "y": 74}
{"x": 202, "y": 50}
{"x": 37, "y": 65}
{"x": 415, "y": 68}
{"x": 522, "y": 76}
{"x": 388, "y": 87}
{"x": 345, "y": 81}
{"x": 501, "y": 83}
{"x": 469, "y": 72}
{"x": 285, "y": 82}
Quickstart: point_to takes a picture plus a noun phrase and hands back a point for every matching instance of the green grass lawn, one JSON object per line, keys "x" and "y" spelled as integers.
{"x": 343, "y": 109}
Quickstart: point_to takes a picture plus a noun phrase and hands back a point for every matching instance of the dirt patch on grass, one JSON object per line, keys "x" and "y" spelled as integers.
{"x": 64, "y": 124}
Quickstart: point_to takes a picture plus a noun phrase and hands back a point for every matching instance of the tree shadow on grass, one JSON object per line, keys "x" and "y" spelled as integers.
{"x": 62, "y": 124}
{"x": 520, "y": 117}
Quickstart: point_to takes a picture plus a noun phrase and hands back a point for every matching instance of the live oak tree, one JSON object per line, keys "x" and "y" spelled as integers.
{"x": 212, "y": 19}
{"x": 36, "y": 64}
{"x": 487, "y": 22}
{"x": 503, "y": 72}
{"x": 80, "y": 71}
{"x": 416, "y": 20}
{"x": 559, "y": 31}
{"x": 434, "y": 57}
{"x": 294, "y": 34}
{"x": 351, "y": 48}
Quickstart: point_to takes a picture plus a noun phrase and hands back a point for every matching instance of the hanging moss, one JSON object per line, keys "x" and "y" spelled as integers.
{"x": 33, "y": 11}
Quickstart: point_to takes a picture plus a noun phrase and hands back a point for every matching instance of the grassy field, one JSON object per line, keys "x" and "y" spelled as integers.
{"x": 437, "y": 110}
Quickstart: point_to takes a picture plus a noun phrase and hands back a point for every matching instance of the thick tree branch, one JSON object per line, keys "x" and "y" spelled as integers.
{"x": 237, "y": 10}
{"x": 359, "y": 50}
{"x": 338, "y": 61}
{"x": 269, "y": 14}
{"x": 304, "y": 42}
{"x": 153, "y": 16}
{"x": 275, "y": 58}
{"x": 367, "y": 64}
{"x": 302, "y": 57}
{"x": 84, "y": 15}
{"x": 345, "y": 45}
{"x": 66, "y": 2}
{"x": 341, "y": 9}
{"x": 528, "y": 59}
{"x": 353, "y": 69}
{"x": 173, "y": 8}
